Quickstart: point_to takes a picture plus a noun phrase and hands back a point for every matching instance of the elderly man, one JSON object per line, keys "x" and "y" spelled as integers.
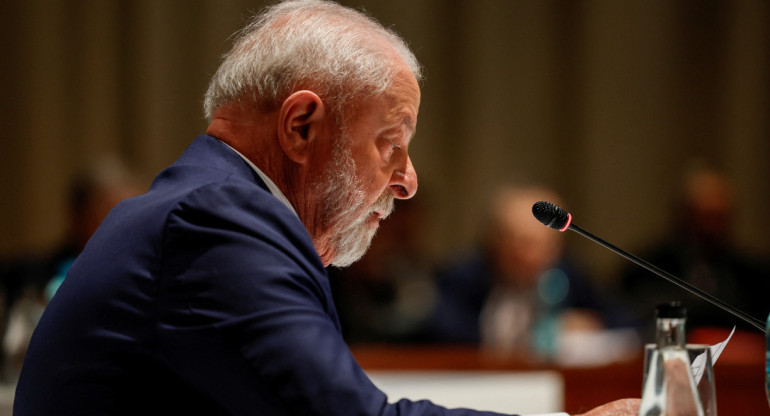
{"x": 208, "y": 294}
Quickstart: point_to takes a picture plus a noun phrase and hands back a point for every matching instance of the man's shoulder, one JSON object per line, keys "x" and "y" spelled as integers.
{"x": 206, "y": 160}
{"x": 208, "y": 187}
{"x": 211, "y": 177}
{"x": 235, "y": 200}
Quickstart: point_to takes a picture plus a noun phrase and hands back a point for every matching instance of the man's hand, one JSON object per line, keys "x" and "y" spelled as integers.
{"x": 622, "y": 407}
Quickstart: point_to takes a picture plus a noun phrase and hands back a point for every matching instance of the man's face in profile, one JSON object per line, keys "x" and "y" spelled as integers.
{"x": 369, "y": 168}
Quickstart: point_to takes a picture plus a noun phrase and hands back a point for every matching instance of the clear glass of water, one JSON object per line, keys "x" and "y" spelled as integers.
{"x": 703, "y": 368}
{"x": 702, "y": 365}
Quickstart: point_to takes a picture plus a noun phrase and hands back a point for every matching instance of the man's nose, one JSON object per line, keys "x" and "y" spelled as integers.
{"x": 403, "y": 182}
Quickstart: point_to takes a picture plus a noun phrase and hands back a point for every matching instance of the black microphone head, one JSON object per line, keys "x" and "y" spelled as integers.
{"x": 551, "y": 215}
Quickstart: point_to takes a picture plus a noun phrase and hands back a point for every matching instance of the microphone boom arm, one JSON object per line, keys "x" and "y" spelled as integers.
{"x": 662, "y": 273}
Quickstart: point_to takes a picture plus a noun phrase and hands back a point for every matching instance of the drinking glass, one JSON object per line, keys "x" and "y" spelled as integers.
{"x": 703, "y": 367}
{"x": 703, "y": 370}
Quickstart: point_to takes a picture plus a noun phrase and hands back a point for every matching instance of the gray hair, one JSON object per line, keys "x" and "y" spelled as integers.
{"x": 308, "y": 44}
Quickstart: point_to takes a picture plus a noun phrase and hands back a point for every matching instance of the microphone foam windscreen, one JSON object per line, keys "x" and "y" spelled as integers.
{"x": 550, "y": 214}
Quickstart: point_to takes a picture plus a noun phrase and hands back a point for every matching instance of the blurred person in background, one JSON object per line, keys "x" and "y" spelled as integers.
{"x": 521, "y": 295}
{"x": 700, "y": 249}
{"x": 29, "y": 284}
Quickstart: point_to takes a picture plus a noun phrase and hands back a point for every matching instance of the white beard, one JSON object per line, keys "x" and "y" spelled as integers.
{"x": 345, "y": 212}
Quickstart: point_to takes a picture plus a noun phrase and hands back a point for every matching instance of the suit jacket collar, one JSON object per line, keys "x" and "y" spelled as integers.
{"x": 212, "y": 152}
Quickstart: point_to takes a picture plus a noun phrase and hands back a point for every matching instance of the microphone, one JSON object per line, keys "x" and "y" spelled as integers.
{"x": 557, "y": 218}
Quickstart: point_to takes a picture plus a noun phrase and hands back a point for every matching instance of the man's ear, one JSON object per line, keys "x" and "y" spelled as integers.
{"x": 300, "y": 120}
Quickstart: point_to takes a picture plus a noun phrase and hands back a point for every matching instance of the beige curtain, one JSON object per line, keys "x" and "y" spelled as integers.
{"x": 605, "y": 100}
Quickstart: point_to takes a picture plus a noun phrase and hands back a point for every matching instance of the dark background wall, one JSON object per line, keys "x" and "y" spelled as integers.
{"x": 607, "y": 101}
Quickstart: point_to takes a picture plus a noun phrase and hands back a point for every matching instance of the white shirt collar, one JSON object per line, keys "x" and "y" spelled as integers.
{"x": 270, "y": 184}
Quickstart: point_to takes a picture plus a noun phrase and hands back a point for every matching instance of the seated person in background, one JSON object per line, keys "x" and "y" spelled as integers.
{"x": 520, "y": 291}
{"x": 700, "y": 250}
{"x": 31, "y": 283}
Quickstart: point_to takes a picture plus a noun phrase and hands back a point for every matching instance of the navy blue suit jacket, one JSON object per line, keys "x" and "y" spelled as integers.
{"x": 204, "y": 296}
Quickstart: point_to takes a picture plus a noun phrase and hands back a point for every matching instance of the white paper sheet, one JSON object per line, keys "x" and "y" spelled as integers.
{"x": 699, "y": 363}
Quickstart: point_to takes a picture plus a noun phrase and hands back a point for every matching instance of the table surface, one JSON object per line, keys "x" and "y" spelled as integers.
{"x": 739, "y": 372}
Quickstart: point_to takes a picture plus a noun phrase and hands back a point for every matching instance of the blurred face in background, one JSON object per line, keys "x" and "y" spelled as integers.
{"x": 523, "y": 248}
{"x": 709, "y": 209}
{"x": 94, "y": 192}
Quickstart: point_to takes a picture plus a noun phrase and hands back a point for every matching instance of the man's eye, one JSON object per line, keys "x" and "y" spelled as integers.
{"x": 390, "y": 149}
{"x": 393, "y": 149}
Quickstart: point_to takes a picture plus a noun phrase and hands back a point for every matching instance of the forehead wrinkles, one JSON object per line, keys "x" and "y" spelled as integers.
{"x": 401, "y": 120}
{"x": 403, "y": 101}
{"x": 402, "y": 115}
{"x": 395, "y": 108}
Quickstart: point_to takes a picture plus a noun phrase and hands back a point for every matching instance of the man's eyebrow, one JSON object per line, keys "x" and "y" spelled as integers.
{"x": 409, "y": 123}
{"x": 404, "y": 121}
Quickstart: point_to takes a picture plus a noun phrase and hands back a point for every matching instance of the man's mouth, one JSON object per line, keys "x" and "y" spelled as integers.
{"x": 383, "y": 207}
